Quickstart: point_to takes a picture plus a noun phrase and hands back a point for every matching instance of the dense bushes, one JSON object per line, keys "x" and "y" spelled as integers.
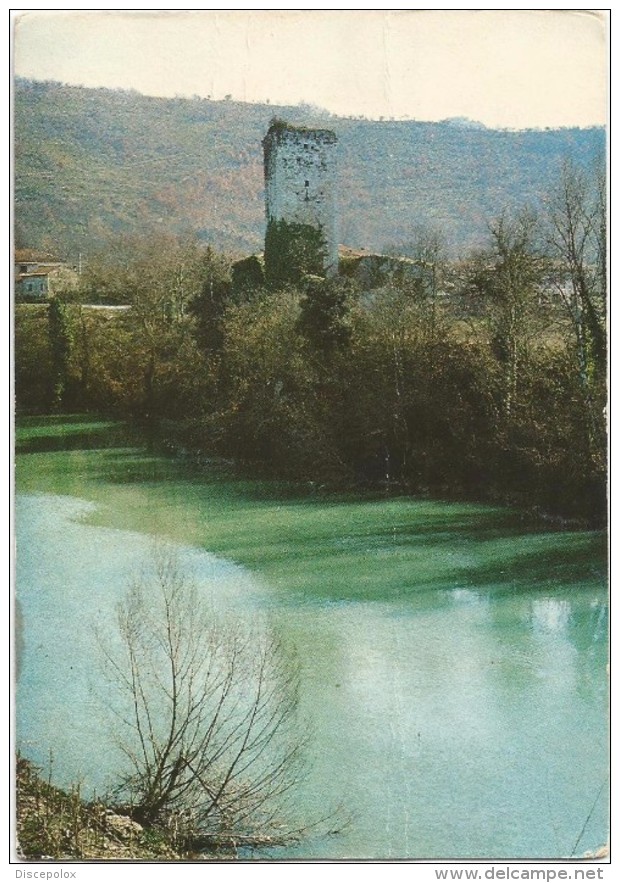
{"x": 322, "y": 382}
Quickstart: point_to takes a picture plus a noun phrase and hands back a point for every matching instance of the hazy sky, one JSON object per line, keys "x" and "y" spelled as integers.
{"x": 504, "y": 68}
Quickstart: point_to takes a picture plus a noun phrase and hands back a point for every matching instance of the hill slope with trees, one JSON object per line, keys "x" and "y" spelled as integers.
{"x": 95, "y": 163}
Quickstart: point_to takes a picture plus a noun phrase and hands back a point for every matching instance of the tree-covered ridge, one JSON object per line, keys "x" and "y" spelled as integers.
{"x": 91, "y": 163}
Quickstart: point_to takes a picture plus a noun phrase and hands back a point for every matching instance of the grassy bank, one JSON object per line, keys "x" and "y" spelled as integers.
{"x": 53, "y": 824}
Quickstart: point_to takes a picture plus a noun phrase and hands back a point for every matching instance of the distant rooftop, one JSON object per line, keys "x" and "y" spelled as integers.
{"x": 32, "y": 256}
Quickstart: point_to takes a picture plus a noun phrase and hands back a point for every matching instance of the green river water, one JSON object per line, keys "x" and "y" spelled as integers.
{"x": 453, "y": 656}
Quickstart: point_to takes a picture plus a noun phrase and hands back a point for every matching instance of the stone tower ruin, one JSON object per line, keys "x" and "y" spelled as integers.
{"x": 300, "y": 184}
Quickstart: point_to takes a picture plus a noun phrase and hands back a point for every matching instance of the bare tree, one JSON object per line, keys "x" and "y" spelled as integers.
{"x": 428, "y": 248}
{"x": 508, "y": 279}
{"x": 577, "y": 239}
{"x": 208, "y": 717}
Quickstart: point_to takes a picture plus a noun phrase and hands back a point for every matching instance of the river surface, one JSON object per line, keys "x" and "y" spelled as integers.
{"x": 453, "y": 656}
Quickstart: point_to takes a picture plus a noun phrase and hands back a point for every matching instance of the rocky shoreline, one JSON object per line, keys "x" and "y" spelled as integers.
{"x": 55, "y": 825}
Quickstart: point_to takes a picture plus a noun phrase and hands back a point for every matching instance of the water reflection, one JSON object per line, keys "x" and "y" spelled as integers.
{"x": 550, "y": 615}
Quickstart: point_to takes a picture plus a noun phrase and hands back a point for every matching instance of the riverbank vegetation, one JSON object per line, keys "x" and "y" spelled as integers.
{"x": 53, "y": 823}
{"x": 60, "y": 824}
{"x": 207, "y": 718}
{"x": 204, "y": 716}
{"x": 484, "y": 378}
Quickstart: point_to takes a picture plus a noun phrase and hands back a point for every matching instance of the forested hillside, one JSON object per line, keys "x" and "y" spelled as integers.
{"x": 93, "y": 163}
